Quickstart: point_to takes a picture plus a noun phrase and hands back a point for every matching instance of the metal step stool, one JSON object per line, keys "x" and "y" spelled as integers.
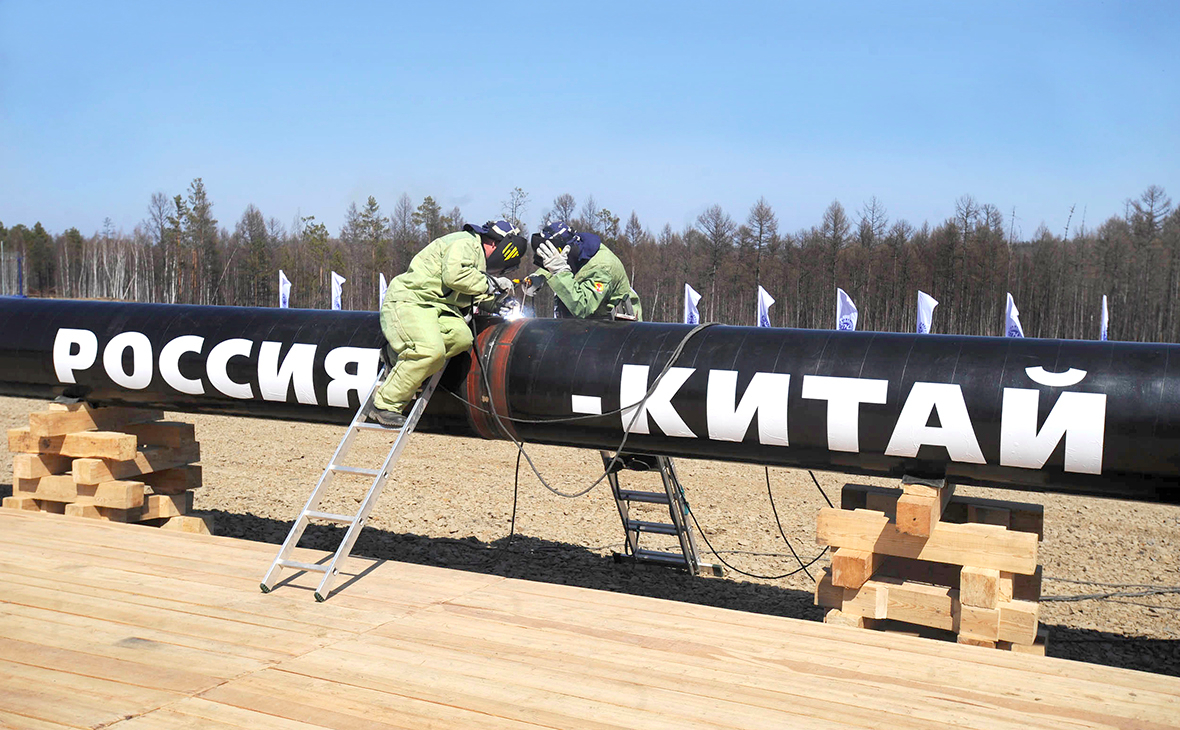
{"x": 673, "y": 496}
{"x": 335, "y": 466}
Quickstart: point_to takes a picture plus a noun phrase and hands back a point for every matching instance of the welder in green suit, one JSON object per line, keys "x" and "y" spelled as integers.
{"x": 422, "y": 315}
{"x": 587, "y": 278}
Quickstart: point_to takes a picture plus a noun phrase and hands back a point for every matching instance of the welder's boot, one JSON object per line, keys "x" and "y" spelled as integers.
{"x": 388, "y": 419}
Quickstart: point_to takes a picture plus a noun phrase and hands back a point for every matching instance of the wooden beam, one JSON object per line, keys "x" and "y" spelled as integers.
{"x": 851, "y": 568}
{"x": 921, "y": 604}
{"x": 923, "y": 487}
{"x": 92, "y": 511}
{"x": 828, "y": 594}
{"x": 22, "y": 503}
{"x": 856, "y": 496}
{"x": 85, "y": 418}
{"x": 836, "y": 617}
{"x": 979, "y": 587}
{"x": 1027, "y": 587}
{"x": 984, "y": 546}
{"x": 1024, "y": 516}
{"x": 25, "y": 485}
{"x": 1018, "y": 621}
{"x": 896, "y": 600}
{"x": 197, "y": 524}
{"x": 1037, "y": 648}
{"x": 56, "y": 488}
{"x": 86, "y": 444}
{"x": 62, "y": 488}
{"x": 119, "y": 495}
{"x": 985, "y": 515}
{"x": 156, "y": 506}
{"x": 173, "y": 481}
{"x": 917, "y": 514}
{"x": 33, "y": 466}
{"x": 885, "y": 503}
{"x": 982, "y": 624}
{"x": 146, "y": 460}
{"x": 920, "y": 571}
{"x": 870, "y": 600}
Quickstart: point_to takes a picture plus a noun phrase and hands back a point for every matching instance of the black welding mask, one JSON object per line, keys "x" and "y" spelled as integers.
{"x": 507, "y": 254}
{"x": 510, "y": 245}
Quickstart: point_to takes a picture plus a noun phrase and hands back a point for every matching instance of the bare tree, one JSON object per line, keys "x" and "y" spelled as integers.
{"x": 717, "y": 230}
{"x": 563, "y": 209}
{"x": 587, "y": 217}
{"x": 872, "y": 224}
{"x": 763, "y": 233}
{"x": 1149, "y": 212}
{"x": 514, "y": 208}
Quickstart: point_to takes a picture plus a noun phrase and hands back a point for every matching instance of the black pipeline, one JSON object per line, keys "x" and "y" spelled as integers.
{"x": 1099, "y": 418}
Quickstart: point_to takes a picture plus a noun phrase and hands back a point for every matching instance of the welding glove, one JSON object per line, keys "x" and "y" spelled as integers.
{"x": 532, "y": 284}
{"x": 496, "y": 304}
{"x": 552, "y": 259}
{"x": 498, "y": 284}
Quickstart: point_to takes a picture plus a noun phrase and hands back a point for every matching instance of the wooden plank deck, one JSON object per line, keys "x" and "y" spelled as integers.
{"x": 130, "y": 627}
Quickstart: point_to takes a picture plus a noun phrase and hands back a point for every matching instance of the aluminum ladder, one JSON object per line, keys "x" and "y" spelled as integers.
{"x": 673, "y": 496}
{"x": 335, "y": 466}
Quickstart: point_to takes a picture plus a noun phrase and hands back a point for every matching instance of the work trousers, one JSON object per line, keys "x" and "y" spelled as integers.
{"x": 424, "y": 336}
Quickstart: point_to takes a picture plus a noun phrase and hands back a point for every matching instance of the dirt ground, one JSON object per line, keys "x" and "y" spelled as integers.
{"x": 452, "y": 506}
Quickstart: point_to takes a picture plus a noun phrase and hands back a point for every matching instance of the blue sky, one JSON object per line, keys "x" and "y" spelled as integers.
{"x": 660, "y": 108}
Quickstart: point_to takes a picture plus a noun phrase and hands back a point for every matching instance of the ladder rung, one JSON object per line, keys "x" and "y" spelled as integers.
{"x": 659, "y": 528}
{"x": 354, "y": 470}
{"x": 660, "y": 556}
{"x": 632, "y": 495}
{"x": 304, "y": 566}
{"x": 376, "y": 427}
{"x": 343, "y": 519}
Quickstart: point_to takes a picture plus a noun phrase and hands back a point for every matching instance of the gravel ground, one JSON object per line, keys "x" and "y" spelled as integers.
{"x": 452, "y": 506}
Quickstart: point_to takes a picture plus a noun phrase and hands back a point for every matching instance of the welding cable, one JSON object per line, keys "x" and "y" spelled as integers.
{"x": 739, "y": 571}
{"x": 779, "y": 524}
{"x": 626, "y": 432}
{"x": 821, "y": 489}
{"x": 615, "y": 458}
{"x": 1162, "y": 590}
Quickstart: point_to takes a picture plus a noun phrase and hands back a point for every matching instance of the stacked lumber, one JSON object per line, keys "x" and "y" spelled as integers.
{"x": 118, "y": 464}
{"x": 924, "y": 561}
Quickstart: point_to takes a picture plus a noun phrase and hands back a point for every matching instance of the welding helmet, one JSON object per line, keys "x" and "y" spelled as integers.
{"x": 578, "y": 247}
{"x": 495, "y": 230}
{"x": 510, "y": 245}
{"x": 557, "y": 233}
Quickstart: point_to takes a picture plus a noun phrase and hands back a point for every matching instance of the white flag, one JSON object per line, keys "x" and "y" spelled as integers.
{"x": 284, "y": 290}
{"x": 1105, "y": 319}
{"x": 764, "y": 303}
{"x": 846, "y": 313}
{"x": 337, "y": 289}
{"x": 926, "y": 305}
{"x": 381, "y": 287}
{"x": 1012, "y": 326}
{"x": 691, "y": 299}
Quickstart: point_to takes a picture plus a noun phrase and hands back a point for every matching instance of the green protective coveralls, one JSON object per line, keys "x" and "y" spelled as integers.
{"x": 422, "y": 313}
{"x": 596, "y": 289}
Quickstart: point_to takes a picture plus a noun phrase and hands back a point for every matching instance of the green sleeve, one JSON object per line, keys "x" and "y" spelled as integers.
{"x": 461, "y": 269}
{"x": 582, "y": 297}
{"x": 636, "y": 306}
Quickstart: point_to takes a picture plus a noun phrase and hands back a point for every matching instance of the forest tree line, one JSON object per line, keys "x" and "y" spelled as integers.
{"x": 181, "y": 253}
